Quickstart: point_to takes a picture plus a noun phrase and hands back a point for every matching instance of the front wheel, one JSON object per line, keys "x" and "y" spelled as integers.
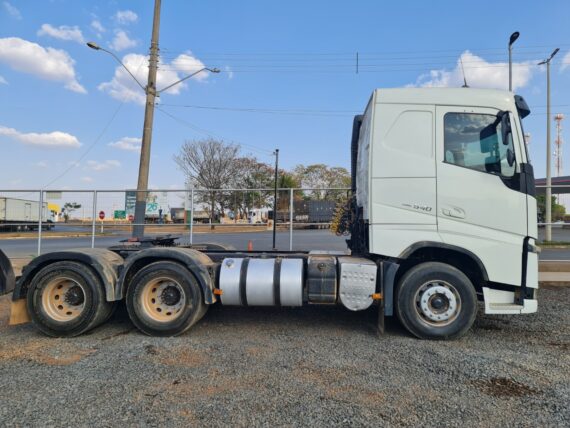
{"x": 164, "y": 299}
{"x": 436, "y": 301}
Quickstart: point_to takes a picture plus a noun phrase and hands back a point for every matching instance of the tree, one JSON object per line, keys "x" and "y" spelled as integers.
{"x": 321, "y": 178}
{"x": 68, "y": 208}
{"x": 251, "y": 174}
{"x": 557, "y": 211}
{"x": 208, "y": 164}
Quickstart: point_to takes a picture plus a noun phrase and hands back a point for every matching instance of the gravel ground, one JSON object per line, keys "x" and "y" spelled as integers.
{"x": 314, "y": 366}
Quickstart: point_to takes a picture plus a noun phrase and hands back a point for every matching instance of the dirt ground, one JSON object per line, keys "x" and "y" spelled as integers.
{"x": 308, "y": 366}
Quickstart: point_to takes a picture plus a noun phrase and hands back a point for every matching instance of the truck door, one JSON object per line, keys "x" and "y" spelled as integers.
{"x": 480, "y": 205}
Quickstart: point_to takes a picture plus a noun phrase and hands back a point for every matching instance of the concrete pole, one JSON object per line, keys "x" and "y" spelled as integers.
{"x": 144, "y": 166}
{"x": 548, "y": 201}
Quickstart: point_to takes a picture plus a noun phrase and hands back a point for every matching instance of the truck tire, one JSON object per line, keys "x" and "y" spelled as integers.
{"x": 67, "y": 299}
{"x": 164, "y": 299}
{"x": 436, "y": 301}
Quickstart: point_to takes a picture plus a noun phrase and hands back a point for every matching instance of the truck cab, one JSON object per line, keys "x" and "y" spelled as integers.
{"x": 443, "y": 175}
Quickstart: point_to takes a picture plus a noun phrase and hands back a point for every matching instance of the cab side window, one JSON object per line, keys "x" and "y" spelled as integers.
{"x": 474, "y": 141}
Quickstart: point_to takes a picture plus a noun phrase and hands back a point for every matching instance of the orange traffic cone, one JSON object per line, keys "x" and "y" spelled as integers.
{"x": 249, "y": 245}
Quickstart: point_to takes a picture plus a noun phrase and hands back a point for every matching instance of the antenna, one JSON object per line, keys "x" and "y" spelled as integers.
{"x": 465, "y": 85}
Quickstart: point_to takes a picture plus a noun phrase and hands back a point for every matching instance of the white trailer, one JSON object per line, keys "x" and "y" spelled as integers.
{"x": 21, "y": 215}
{"x": 442, "y": 219}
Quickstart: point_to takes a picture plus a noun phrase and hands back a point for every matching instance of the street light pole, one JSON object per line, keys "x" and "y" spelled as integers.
{"x": 151, "y": 94}
{"x": 512, "y": 39}
{"x": 144, "y": 165}
{"x": 275, "y": 197}
{"x": 548, "y": 198}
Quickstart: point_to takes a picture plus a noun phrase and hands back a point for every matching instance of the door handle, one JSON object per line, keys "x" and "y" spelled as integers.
{"x": 454, "y": 212}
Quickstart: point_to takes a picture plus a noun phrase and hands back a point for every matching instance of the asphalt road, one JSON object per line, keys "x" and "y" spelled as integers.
{"x": 302, "y": 240}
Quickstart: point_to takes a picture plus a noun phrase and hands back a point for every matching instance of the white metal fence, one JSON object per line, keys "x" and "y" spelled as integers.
{"x": 169, "y": 211}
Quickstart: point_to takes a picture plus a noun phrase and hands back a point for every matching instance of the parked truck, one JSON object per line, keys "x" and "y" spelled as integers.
{"x": 21, "y": 215}
{"x": 443, "y": 217}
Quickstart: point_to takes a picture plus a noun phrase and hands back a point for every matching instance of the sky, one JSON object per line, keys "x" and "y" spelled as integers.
{"x": 71, "y": 117}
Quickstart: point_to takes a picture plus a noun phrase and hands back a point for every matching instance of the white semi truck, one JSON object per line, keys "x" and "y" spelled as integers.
{"x": 443, "y": 216}
{"x": 21, "y": 215}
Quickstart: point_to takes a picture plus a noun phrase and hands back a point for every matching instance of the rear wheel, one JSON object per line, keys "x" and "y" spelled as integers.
{"x": 436, "y": 301}
{"x": 164, "y": 299}
{"x": 66, "y": 299}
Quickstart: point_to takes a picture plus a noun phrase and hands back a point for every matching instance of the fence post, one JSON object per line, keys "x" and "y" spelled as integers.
{"x": 291, "y": 219}
{"x": 94, "y": 225}
{"x": 40, "y": 222}
{"x": 191, "y": 215}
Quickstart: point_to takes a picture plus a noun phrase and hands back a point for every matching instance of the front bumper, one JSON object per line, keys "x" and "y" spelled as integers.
{"x": 503, "y": 302}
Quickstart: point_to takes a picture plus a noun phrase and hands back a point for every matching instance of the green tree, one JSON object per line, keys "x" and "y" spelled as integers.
{"x": 558, "y": 210}
{"x": 68, "y": 208}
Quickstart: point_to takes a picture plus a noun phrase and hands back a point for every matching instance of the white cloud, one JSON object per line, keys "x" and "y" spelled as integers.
{"x": 86, "y": 179}
{"x": 63, "y": 32}
{"x": 41, "y": 164}
{"x": 126, "y": 17}
{"x": 565, "y": 62}
{"x": 102, "y": 166}
{"x": 97, "y": 26}
{"x": 230, "y": 72}
{"x": 45, "y": 63}
{"x": 122, "y": 86}
{"x": 479, "y": 74}
{"x": 122, "y": 41}
{"x": 12, "y": 10}
{"x": 131, "y": 144}
{"x": 3, "y": 81}
{"x": 56, "y": 139}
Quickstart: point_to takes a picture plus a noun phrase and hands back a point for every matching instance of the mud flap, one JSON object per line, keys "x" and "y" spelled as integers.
{"x": 7, "y": 277}
{"x": 19, "y": 312}
{"x": 380, "y": 326}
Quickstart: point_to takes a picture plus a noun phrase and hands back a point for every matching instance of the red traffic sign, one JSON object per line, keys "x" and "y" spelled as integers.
{"x": 101, "y": 215}
{"x": 131, "y": 218}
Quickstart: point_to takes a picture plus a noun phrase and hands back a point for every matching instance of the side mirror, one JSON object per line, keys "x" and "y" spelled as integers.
{"x": 510, "y": 157}
{"x": 505, "y": 126}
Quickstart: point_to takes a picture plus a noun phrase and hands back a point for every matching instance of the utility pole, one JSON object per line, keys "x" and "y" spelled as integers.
{"x": 151, "y": 94}
{"x": 275, "y": 197}
{"x": 548, "y": 199}
{"x": 144, "y": 166}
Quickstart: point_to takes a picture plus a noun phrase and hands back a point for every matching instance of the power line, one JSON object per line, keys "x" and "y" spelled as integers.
{"x": 91, "y": 146}
{"x": 212, "y": 134}
{"x": 296, "y": 111}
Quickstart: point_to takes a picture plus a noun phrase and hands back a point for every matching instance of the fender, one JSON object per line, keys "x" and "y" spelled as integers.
{"x": 441, "y": 246}
{"x": 7, "y": 278}
{"x": 196, "y": 262}
{"x": 105, "y": 263}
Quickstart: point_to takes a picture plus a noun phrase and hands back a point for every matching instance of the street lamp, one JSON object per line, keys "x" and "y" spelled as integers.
{"x": 512, "y": 39}
{"x": 151, "y": 94}
{"x": 548, "y": 199}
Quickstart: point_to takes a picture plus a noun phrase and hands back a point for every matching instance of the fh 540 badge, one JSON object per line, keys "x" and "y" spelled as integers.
{"x": 418, "y": 207}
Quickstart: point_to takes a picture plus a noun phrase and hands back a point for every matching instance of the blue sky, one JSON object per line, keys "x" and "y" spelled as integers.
{"x": 70, "y": 119}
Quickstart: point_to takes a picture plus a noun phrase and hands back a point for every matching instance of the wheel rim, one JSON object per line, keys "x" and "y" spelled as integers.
{"x": 63, "y": 299}
{"x": 438, "y": 303}
{"x": 163, "y": 299}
